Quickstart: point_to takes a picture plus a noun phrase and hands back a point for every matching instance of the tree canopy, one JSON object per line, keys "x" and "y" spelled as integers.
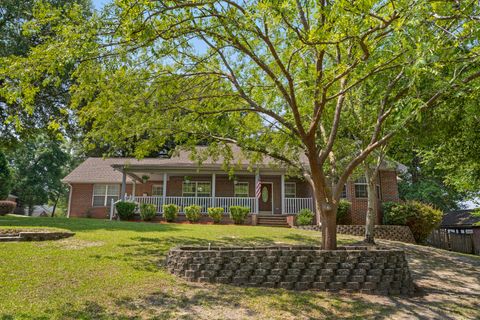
{"x": 273, "y": 77}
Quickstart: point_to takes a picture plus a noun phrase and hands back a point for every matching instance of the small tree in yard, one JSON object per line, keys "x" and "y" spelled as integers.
{"x": 269, "y": 76}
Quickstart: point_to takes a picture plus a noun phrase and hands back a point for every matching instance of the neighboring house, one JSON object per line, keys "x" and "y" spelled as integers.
{"x": 458, "y": 231}
{"x": 461, "y": 221}
{"x": 97, "y": 183}
{"x": 42, "y": 211}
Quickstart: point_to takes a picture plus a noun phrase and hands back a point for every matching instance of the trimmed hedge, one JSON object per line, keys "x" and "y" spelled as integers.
{"x": 126, "y": 209}
{"x": 7, "y": 207}
{"x": 148, "y": 211}
{"x": 239, "y": 214}
{"x": 305, "y": 217}
{"x": 421, "y": 218}
{"x": 216, "y": 214}
{"x": 170, "y": 212}
{"x": 342, "y": 212}
{"x": 192, "y": 213}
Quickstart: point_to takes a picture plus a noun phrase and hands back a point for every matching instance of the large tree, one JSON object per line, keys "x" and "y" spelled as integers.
{"x": 269, "y": 76}
{"x": 39, "y": 164}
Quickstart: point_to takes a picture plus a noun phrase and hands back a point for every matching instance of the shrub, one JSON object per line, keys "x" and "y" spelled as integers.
{"x": 126, "y": 209}
{"x": 342, "y": 212}
{"x": 389, "y": 217}
{"x": 148, "y": 211}
{"x": 170, "y": 212}
{"x": 7, "y": 207}
{"x": 419, "y": 217}
{"x": 305, "y": 217}
{"x": 193, "y": 213}
{"x": 239, "y": 214}
{"x": 216, "y": 214}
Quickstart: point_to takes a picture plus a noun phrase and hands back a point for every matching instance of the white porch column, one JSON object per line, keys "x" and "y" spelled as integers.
{"x": 124, "y": 185}
{"x": 164, "y": 190}
{"x": 214, "y": 178}
{"x": 257, "y": 181}
{"x": 282, "y": 192}
{"x": 133, "y": 189}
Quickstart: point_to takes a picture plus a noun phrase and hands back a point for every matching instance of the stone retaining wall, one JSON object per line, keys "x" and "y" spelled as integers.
{"x": 35, "y": 236}
{"x": 355, "y": 269}
{"x": 386, "y": 232}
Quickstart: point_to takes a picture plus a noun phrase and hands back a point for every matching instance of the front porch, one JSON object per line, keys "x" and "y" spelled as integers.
{"x": 266, "y": 192}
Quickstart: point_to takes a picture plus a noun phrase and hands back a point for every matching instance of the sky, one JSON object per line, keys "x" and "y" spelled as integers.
{"x": 98, "y": 4}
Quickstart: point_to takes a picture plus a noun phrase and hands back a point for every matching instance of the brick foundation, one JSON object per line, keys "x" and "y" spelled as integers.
{"x": 354, "y": 269}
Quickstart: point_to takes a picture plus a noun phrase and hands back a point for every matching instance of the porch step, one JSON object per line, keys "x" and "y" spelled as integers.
{"x": 272, "y": 220}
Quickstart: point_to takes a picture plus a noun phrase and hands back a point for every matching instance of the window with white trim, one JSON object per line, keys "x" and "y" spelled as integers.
{"x": 104, "y": 193}
{"x": 290, "y": 190}
{"x": 241, "y": 189}
{"x": 361, "y": 189}
{"x": 157, "y": 189}
{"x": 196, "y": 189}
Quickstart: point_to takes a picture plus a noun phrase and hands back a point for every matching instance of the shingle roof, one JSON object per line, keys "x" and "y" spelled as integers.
{"x": 102, "y": 170}
{"x": 459, "y": 218}
{"x": 96, "y": 170}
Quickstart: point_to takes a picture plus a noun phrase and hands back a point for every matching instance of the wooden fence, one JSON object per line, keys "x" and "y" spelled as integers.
{"x": 458, "y": 242}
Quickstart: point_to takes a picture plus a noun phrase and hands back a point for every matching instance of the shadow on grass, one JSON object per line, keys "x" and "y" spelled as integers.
{"x": 197, "y": 301}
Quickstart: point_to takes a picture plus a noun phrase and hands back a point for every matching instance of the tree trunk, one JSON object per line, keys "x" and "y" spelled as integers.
{"x": 326, "y": 218}
{"x": 326, "y": 209}
{"x": 55, "y": 206}
{"x": 371, "y": 177}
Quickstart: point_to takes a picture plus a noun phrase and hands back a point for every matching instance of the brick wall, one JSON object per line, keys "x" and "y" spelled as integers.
{"x": 81, "y": 202}
{"x": 389, "y": 192}
{"x": 82, "y": 193}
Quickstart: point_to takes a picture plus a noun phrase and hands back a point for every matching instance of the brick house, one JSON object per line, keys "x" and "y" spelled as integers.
{"x": 97, "y": 183}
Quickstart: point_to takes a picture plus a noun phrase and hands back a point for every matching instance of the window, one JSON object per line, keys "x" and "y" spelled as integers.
{"x": 241, "y": 189}
{"x": 290, "y": 190}
{"x": 157, "y": 190}
{"x": 196, "y": 189}
{"x": 344, "y": 192}
{"x": 361, "y": 188}
{"x": 104, "y": 193}
{"x": 379, "y": 192}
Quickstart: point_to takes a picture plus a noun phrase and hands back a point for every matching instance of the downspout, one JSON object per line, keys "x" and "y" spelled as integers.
{"x": 69, "y": 200}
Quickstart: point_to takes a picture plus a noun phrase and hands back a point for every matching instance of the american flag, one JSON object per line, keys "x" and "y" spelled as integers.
{"x": 258, "y": 189}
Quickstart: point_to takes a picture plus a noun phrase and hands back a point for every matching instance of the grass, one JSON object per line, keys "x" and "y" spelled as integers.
{"x": 114, "y": 270}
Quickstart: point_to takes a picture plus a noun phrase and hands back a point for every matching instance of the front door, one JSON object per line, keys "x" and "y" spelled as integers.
{"x": 266, "y": 201}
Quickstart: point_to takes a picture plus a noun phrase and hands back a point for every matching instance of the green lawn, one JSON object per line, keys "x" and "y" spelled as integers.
{"x": 115, "y": 270}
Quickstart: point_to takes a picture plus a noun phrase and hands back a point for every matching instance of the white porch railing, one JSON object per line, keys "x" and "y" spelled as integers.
{"x": 182, "y": 202}
{"x": 204, "y": 202}
{"x": 227, "y": 202}
{"x": 156, "y": 200}
{"x": 294, "y": 205}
